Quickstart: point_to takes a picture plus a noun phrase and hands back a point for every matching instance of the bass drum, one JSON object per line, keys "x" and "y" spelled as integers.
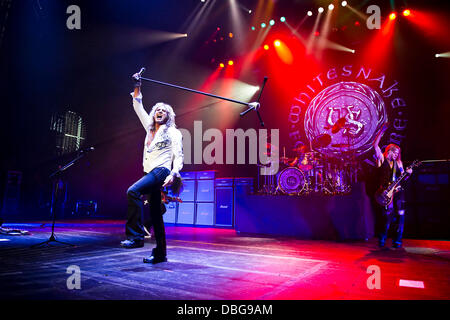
{"x": 291, "y": 181}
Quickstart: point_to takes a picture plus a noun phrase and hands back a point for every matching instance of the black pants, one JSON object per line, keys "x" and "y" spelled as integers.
{"x": 149, "y": 184}
{"x": 394, "y": 215}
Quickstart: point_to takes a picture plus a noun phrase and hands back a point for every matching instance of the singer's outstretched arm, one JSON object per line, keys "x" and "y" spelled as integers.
{"x": 143, "y": 116}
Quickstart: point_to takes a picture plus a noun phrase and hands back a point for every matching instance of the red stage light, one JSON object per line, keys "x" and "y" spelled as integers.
{"x": 357, "y": 23}
{"x": 392, "y": 16}
{"x": 434, "y": 25}
{"x": 406, "y": 12}
{"x": 283, "y": 51}
{"x": 317, "y": 33}
{"x": 230, "y": 62}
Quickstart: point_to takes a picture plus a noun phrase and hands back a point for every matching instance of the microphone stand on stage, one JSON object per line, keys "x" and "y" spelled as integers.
{"x": 56, "y": 175}
{"x": 251, "y": 105}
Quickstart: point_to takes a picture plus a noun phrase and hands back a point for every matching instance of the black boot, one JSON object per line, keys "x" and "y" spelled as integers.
{"x": 155, "y": 258}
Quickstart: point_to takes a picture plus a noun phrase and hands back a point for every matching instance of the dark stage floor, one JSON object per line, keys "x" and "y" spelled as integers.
{"x": 208, "y": 263}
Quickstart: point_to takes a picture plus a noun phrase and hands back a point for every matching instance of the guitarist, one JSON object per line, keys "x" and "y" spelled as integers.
{"x": 390, "y": 166}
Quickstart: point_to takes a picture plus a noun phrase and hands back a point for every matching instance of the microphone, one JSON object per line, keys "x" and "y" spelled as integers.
{"x": 141, "y": 72}
{"x": 137, "y": 76}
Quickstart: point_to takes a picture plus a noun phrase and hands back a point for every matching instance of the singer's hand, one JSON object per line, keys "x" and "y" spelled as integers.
{"x": 169, "y": 180}
{"x": 136, "y": 77}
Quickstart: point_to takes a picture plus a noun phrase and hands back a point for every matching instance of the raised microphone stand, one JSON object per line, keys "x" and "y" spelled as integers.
{"x": 251, "y": 106}
{"x": 55, "y": 175}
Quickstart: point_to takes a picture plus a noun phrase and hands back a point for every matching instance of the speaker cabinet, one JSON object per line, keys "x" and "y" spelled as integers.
{"x": 205, "y": 214}
{"x": 186, "y": 212}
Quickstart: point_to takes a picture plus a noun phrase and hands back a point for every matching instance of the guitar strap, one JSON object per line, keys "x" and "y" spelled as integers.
{"x": 394, "y": 171}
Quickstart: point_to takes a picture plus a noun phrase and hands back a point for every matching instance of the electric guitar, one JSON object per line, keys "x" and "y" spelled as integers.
{"x": 384, "y": 195}
{"x": 165, "y": 199}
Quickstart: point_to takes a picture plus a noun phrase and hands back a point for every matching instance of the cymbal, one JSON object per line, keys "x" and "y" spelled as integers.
{"x": 321, "y": 141}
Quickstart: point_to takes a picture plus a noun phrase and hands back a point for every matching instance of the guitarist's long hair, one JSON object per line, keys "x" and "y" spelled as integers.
{"x": 399, "y": 158}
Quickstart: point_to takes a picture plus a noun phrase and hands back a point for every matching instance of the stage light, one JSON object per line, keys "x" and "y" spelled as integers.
{"x": 230, "y": 34}
{"x": 272, "y": 22}
{"x": 249, "y": 11}
{"x": 343, "y": 3}
{"x": 392, "y": 16}
{"x": 442, "y": 55}
{"x": 282, "y": 19}
{"x": 353, "y": 51}
{"x": 406, "y": 12}
{"x": 331, "y": 7}
{"x": 283, "y": 52}
{"x": 253, "y": 28}
{"x": 230, "y": 62}
{"x": 185, "y": 35}
{"x": 263, "y": 25}
{"x": 218, "y": 28}
{"x": 309, "y": 13}
{"x": 266, "y": 47}
{"x": 222, "y": 65}
{"x": 320, "y": 10}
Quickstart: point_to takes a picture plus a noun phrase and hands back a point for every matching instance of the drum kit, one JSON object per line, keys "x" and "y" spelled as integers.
{"x": 313, "y": 171}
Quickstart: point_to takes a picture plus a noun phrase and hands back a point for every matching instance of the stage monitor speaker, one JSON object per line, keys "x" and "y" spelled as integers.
{"x": 205, "y": 214}
{"x": 186, "y": 212}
